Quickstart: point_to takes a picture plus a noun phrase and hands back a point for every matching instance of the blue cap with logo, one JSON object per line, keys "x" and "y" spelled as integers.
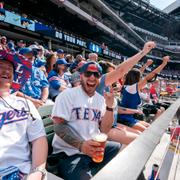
{"x": 60, "y": 51}
{"x": 62, "y": 62}
{"x": 25, "y": 50}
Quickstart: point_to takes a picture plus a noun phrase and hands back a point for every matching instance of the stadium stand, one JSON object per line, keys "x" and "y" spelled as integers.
{"x": 59, "y": 35}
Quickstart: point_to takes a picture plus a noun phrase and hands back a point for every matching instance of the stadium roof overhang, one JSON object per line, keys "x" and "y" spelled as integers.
{"x": 87, "y": 17}
{"x": 140, "y": 8}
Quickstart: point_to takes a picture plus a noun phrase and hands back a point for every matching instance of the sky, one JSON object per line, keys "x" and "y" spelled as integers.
{"x": 161, "y": 4}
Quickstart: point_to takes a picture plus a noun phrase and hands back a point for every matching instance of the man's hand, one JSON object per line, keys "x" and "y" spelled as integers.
{"x": 35, "y": 176}
{"x": 37, "y": 103}
{"x": 148, "y": 47}
{"x": 109, "y": 98}
{"x": 138, "y": 111}
{"x": 91, "y": 148}
{"x": 149, "y": 62}
{"x": 166, "y": 59}
{"x": 18, "y": 93}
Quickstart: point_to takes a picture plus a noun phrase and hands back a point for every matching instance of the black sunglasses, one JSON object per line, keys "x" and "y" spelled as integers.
{"x": 90, "y": 73}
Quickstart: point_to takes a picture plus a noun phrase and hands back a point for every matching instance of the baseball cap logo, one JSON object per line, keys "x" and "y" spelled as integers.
{"x": 92, "y": 67}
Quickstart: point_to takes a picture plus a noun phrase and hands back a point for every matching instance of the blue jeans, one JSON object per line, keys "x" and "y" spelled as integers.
{"x": 81, "y": 167}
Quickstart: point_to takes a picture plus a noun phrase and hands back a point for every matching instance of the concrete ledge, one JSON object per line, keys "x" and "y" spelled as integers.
{"x": 128, "y": 164}
{"x": 51, "y": 176}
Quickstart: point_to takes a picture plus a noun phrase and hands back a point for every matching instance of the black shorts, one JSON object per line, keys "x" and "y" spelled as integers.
{"x": 150, "y": 109}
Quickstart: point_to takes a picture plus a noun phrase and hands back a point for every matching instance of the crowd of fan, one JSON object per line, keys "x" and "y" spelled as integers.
{"x": 60, "y": 78}
{"x": 171, "y": 72}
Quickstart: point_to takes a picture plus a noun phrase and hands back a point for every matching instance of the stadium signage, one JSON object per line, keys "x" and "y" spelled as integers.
{"x": 26, "y": 23}
{"x": 69, "y": 38}
{"x": 94, "y": 47}
{"x": 16, "y": 20}
{"x": 112, "y": 54}
{"x": 80, "y": 42}
{"x": 59, "y": 35}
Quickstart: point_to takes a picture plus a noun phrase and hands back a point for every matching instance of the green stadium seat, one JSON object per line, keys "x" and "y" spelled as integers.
{"x": 45, "y": 113}
{"x": 53, "y": 159}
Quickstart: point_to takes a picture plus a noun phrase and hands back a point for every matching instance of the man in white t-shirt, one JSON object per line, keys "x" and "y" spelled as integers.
{"x": 78, "y": 114}
{"x": 20, "y": 123}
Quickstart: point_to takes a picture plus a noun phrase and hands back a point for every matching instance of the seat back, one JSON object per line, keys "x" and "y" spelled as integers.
{"x": 45, "y": 113}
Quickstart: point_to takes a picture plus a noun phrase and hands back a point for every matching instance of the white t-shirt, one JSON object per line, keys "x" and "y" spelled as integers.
{"x": 132, "y": 89}
{"x": 16, "y": 133}
{"x": 83, "y": 114}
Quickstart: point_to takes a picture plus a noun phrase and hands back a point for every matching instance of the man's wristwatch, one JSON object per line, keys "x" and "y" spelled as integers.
{"x": 39, "y": 169}
{"x": 109, "y": 109}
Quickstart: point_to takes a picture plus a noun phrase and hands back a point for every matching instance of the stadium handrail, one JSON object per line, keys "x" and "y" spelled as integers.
{"x": 128, "y": 164}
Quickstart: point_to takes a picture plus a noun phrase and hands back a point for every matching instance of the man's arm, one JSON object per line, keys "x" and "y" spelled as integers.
{"x": 39, "y": 157}
{"x": 122, "y": 110}
{"x": 148, "y": 77}
{"x": 108, "y": 118}
{"x": 71, "y": 137}
{"x": 124, "y": 67}
{"x": 147, "y": 64}
{"x": 39, "y": 152}
{"x": 36, "y": 102}
{"x": 44, "y": 94}
{"x": 67, "y": 133}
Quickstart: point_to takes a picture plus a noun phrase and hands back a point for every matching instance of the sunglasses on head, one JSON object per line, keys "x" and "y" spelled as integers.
{"x": 90, "y": 73}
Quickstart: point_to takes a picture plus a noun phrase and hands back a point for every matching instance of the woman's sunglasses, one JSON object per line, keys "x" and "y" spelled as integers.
{"x": 90, "y": 73}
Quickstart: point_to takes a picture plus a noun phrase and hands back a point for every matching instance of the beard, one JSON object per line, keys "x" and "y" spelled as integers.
{"x": 89, "y": 88}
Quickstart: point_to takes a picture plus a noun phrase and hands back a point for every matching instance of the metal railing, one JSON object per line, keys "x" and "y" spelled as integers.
{"x": 129, "y": 163}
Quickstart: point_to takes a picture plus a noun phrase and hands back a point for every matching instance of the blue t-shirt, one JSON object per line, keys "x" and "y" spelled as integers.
{"x": 38, "y": 63}
{"x": 35, "y": 83}
{"x": 56, "y": 81}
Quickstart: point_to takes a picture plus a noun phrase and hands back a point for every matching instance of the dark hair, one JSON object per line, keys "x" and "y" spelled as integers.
{"x": 109, "y": 64}
{"x": 56, "y": 68}
{"x": 48, "y": 60}
{"x": 132, "y": 77}
{"x": 104, "y": 66}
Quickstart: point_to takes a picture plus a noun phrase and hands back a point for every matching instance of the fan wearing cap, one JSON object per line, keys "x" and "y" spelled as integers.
{"x": 79, "y": 113}
{"x": 60, "y": 53}
{"x": 20, "y": 44}
{"x": 36, "y": 87}
{"x": 3, "y": 43}
{"x": 38, "y": 61}
{"x": 20, "y": 122}
{"x": 58, "y": 79}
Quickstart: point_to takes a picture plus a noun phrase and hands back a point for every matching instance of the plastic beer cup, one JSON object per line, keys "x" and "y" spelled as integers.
{"x": 101, "y": 139}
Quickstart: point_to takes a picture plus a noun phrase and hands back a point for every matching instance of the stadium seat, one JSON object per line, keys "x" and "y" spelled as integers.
{"x": 52, "y": 161}
{"x": 45, "y": 113}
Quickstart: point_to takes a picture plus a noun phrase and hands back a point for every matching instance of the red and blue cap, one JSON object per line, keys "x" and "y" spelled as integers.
{"x": 91, "y": 66}
{"x": 22, "y": 68}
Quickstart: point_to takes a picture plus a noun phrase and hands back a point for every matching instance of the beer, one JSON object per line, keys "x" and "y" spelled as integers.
{"x": 99, "y": 155}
